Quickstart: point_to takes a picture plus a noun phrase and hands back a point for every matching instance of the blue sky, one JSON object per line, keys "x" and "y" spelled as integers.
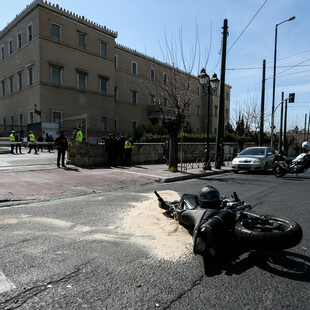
{"x": 143, "y": 25}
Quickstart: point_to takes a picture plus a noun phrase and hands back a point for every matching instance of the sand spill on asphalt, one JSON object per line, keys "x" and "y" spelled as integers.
{"x": 160, "y": 235}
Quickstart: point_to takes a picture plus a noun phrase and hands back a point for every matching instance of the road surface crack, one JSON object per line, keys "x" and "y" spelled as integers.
{"x": 29, "y": 293}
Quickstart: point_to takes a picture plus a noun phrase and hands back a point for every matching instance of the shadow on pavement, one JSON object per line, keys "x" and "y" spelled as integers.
{"x": 284, "y": 264}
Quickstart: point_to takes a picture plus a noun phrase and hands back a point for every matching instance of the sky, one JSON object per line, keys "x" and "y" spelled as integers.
{"x": 150, "y": 26}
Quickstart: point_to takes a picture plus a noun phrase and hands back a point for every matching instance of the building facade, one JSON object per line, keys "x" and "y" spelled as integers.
{"x": 55, "y": 64}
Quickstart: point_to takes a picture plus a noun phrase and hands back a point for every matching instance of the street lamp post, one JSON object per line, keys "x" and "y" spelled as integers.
{"x": 208, "y": 85}
{"x": 274, "y": 76}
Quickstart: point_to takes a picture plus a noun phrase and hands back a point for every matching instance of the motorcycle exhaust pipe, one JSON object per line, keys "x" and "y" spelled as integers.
{"x": 215, "y": 225}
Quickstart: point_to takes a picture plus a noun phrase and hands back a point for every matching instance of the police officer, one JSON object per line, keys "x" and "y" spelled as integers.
{"x": 79, "y": 135}
{"x": 31, "y": 139}
{"x": 128, "y": 150}
{"x": 62, "y": 145}
{"x": 12, "y": 139}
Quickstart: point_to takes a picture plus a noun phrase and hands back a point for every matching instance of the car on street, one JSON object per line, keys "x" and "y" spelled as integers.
{"x": 254, "y": 159}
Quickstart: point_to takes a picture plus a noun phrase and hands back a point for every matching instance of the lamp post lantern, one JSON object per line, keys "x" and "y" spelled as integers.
{"x": 208, "y": 85}
{"x": 274, "y": 77}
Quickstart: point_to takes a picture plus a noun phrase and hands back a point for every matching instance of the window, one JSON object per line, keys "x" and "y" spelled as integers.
{"x": 21, "y": 121}
{"x": 198, "y": 89}
{"x": 20, "y": 80}
{"x": 56, "y": 75}
{"x": 116, "y": 124}
{"x": 133, "y": 125}
{"x": 198, "y": 110}
{"x": 10, "y": 46}
{"x": 2, "y": 52}
{"x": 81, "y": 124}
{"x": 227, "y": 95}
{"x": 81, "y": 41}
{"x": 56, "y": 32}
{"x": 30, "y": 76}
{"x": 3, "y": 87}
{"x": 4, "y": 124}
{"x": 29, "y": 33}
{"x": 19, "y": 40}
{"x": 12, "y": 122}
{"x": 134, "y": 67}
{"x": 188, "y": 85}
{"x": 215, "y": 110}
{"x": 103, "y": 85}
{"x": 165, "y": 102}
{"x": 165, "y": 78}
{"x": 103, "y": 49}
{"x": 82, "y": 80}
{"x": 103, "y": 122}
{"x": 11, "y": 84}
{"x": 31, "y": 116}
{"x": 152, "y": 100}
{"x": 116, "y": 93}
{"x": 56, "y": 117}
{"x": 134, "y": 97}
{"x": 115, "y": 61}
{"x": 152, "y": 74}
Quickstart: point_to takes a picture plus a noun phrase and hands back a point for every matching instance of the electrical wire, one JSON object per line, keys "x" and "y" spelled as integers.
{"x": 246, "y": 27}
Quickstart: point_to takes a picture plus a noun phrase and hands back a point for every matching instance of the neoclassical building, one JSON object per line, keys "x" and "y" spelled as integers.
{"x": 55, "y": 65}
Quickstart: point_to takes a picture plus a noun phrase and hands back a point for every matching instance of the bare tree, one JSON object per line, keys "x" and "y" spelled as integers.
{"x": 172, "y": 92}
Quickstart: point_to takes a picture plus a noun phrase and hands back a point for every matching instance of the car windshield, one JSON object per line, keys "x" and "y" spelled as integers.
{"x": 254, "y": 151}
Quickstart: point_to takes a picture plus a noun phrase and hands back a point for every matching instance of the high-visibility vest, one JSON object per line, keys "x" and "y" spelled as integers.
{"x": 79, "y": 136}
{"x": 32, "y": 137}
{"x": 128, "y": 144}
{"x": 12, "y": 137}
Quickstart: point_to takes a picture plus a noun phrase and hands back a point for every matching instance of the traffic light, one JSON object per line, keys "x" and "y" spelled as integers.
{"x": 291, "y": 97}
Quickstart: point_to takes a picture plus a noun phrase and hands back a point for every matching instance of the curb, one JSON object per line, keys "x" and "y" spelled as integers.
{"x": 192, "y": 176}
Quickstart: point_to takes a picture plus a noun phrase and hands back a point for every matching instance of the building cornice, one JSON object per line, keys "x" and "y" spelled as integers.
{"x": 60, "y": 10}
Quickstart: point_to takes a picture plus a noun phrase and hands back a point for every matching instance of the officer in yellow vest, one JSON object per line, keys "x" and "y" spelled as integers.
{"x": 31, "y": 139}
{"x": 12, "y": 139}
{"x": 79, "y": 136}
{"x": 128, "y": 150}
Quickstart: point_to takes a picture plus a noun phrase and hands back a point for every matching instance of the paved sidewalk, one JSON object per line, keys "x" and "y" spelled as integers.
{"x": 30, "y": 176}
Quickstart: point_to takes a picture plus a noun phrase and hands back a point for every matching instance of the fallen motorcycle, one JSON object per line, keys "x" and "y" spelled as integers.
{"x": 283, "y": 164}
{"x": 217, "y": 221}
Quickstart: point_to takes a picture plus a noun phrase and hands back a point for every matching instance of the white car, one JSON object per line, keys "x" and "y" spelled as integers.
{"x": 254, "y": 159}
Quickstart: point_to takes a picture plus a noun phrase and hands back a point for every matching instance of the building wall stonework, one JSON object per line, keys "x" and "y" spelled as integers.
{"x": 94, "y": 77}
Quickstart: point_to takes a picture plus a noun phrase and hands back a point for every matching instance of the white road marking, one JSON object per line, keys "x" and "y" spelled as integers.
{"x": 5, "y": 284}
{"x": 139, "y": 173}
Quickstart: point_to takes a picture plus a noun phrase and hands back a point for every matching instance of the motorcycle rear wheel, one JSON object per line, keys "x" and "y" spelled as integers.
{"x": 270, "y": 233}
{"x": 278, "y": 171}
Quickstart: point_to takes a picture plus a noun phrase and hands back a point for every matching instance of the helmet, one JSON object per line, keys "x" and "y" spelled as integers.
{"x": 306, "y": 145}
{"x": 209, "y": 197}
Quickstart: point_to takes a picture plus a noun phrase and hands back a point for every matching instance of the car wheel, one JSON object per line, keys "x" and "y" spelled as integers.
{"x": 266, "y": 167}
{"x": 236, "y": 171}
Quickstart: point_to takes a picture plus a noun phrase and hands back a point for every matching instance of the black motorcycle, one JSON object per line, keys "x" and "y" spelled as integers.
{"x": 219, "y": 222}
{"x": 283, "y": 164}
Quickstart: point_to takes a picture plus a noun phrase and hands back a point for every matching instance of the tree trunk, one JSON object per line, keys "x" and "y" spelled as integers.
{"x": 173, "y": 150}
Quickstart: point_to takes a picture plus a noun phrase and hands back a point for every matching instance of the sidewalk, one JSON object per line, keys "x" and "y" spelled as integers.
{"x": 30, "y": 176}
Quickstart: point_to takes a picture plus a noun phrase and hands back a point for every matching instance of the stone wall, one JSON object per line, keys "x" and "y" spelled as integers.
{"x": 83, "y": 154}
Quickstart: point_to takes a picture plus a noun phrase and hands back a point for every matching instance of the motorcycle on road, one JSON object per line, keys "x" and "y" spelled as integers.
{"x": 283, "y": 165}
{"x": 217, "y": 222}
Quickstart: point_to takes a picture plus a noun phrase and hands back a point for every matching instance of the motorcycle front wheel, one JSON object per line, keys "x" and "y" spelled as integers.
{"x": 269, "y": 232}
{"x": 278, "y": 171}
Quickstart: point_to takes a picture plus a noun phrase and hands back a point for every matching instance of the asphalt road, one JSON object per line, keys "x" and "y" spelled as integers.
{"x": 116, "y": 250}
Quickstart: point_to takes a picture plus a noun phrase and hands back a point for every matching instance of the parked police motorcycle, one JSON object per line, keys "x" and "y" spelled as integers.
{"x": 218, "y": 222}
{"x": 283, "y": 164}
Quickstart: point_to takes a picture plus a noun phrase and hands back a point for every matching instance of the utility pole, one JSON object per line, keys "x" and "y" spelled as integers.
{"x": 285, "y": 120}
{"x": 281, "y": 122}
{"x": 261, "y": 131}
{"x": 305, "y": 130}
{"x": 308, "y": 127}
{"x": 221, "y": 116}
